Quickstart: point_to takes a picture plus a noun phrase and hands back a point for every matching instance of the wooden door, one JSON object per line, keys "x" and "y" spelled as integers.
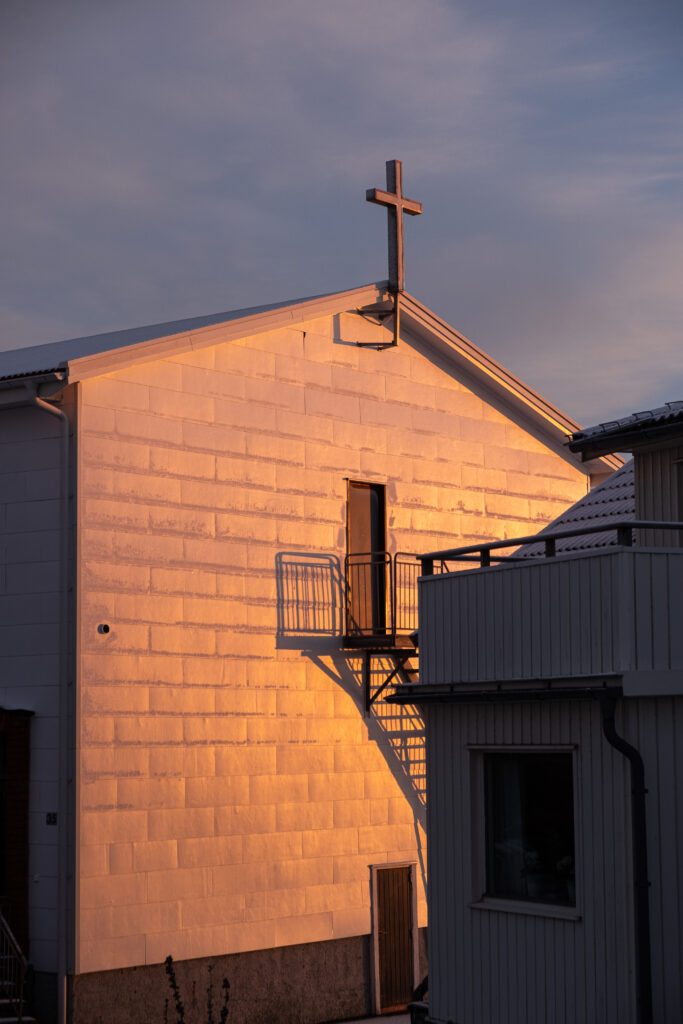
{"x": 366, "y": 546}
{"x": 394, "y": 938}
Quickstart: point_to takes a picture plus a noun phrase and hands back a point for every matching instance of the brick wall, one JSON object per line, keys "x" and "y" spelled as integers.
{"x": 232, "y": 794}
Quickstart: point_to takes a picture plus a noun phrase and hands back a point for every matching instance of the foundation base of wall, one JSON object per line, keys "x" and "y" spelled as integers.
{"x": 307, "y": 984}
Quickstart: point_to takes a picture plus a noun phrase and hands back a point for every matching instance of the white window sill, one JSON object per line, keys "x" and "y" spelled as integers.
{"x": 526, "y": 907}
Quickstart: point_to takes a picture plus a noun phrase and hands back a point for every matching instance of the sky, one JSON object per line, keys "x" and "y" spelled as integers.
{"x": 164, "y": 159}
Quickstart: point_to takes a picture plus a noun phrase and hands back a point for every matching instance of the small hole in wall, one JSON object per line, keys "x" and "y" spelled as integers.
{"x": 103, "y": 628}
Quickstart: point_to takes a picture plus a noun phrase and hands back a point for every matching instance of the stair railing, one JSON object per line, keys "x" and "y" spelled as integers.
{"x": 13, "y": 969}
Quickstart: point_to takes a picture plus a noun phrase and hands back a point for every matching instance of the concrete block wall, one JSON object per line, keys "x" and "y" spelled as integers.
{"x": 231, "y": 795}
{"x": 29, "y": 641}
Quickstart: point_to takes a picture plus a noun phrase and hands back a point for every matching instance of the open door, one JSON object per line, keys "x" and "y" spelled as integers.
{"x": 367, "y": 559}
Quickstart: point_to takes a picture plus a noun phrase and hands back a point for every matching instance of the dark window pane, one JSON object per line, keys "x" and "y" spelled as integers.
{"x": 529, "y": 817}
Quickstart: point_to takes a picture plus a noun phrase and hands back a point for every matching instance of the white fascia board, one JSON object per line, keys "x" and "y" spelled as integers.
{"x": 216, "y": 334}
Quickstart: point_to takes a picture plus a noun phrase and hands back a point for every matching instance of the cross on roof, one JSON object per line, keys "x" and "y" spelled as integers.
{"x": 396, "y": 205}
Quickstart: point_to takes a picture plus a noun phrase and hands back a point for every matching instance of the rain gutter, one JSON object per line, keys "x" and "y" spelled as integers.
{"x": 641, "y": 884}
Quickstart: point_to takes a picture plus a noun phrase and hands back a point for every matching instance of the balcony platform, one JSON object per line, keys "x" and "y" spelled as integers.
{"x": 379, "y": 642}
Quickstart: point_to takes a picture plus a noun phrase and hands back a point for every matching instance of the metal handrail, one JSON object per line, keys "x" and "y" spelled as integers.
{"x": 374, "y": 561}
{"x": 624, "y": 530}
{"x": 398, "y": 613}
{"x": 13, "y": 969}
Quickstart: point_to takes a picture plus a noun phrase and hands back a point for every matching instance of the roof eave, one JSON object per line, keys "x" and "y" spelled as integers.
{"x": 625, "y": 440}
{"x": 214, "y": 334}
{"x": 20, "y": 388}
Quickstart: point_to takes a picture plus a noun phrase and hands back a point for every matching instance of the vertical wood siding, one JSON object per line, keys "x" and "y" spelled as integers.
{"x": 498, "y": 967}
{"x": 578, "y": 615}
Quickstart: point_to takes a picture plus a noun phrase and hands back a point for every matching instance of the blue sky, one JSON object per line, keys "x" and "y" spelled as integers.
{"x": 164, "y": 159}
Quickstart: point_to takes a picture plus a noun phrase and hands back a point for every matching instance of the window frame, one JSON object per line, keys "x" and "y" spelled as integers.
{"x": 509, "y": 904}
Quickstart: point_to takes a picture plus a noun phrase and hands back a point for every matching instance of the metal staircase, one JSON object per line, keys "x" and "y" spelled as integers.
{"x": 14, "y": 978}
{"x": 371, "y": 606}
{"x": 388, "y": 666}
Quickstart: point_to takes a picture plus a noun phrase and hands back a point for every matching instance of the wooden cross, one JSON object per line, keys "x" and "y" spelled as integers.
{"x": 396, "y": 205}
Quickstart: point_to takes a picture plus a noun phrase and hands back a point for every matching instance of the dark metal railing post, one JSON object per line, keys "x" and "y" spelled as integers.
{"x": 625, "y": 536}
{"x": 427, "y": 566}
{"x": 485, "y": 558}
{"x": 347, "y": 596}
{"x": 550, "y": 548}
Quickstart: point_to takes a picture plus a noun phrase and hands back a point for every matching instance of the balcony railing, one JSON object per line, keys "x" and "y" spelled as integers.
{"x": 437, "y": 561}
{"x": 371, "y": 600}
{"x": 574, "y": 614}
{"x": 380, "y": 596}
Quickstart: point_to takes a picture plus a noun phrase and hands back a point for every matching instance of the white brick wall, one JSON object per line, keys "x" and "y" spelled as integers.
{"x": 230, "y": 797}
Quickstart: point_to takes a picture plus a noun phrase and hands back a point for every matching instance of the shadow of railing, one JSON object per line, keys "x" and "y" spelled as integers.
{"x": 310, "y": 595}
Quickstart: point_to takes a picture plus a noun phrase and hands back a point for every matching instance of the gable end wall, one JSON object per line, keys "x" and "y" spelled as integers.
{"x": 233, "y": 795}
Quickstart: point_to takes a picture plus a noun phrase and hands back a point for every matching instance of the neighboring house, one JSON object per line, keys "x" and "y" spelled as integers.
{"x": 209, "y": 531}
{"x": 551, "y": 686}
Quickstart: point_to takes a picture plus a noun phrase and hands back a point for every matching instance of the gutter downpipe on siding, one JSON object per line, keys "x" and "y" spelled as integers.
{"x": 63, "y": 803}
{"x": 641, "y": 884}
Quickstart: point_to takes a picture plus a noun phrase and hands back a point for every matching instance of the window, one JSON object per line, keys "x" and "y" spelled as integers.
{"x": 529, "y": 827}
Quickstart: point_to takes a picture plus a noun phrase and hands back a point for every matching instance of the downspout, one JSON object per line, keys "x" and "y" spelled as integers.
{"x": 641, "y": 883}
{"x": 64, "y": 717}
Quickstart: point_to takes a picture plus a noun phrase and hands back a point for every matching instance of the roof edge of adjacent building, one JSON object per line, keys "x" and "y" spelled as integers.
{"x": 637, "y": 430}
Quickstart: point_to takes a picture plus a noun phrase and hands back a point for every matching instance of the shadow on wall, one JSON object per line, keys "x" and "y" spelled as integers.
{"x": 310, "y": 596}
{"x": 310, "y": 618}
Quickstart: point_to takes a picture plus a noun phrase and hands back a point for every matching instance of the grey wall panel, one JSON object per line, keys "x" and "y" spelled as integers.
{"x": 29, "y": 639}
{"x": 575, "y": 615}
{"x": 495, "y": 967}
{"x": 655, "y": 727}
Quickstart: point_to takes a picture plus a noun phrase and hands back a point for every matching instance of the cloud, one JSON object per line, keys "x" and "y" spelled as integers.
{"x": 163, "y": 160}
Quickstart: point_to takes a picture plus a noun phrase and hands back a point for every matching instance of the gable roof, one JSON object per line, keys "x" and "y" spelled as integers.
{"x": 613, "y": 499}
{"x": 101, "y": 353}
{"x": 82, "y": 358}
